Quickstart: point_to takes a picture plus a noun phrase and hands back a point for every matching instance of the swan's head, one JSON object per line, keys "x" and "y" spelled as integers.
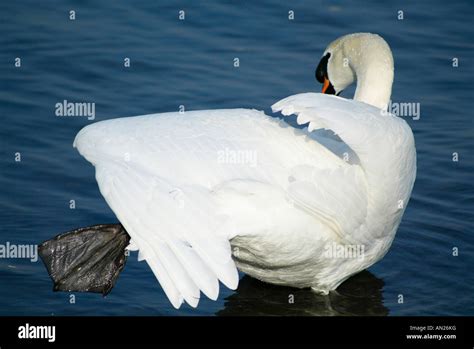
{"x": 362, "y": 57}
{"x": 333, "y": 71}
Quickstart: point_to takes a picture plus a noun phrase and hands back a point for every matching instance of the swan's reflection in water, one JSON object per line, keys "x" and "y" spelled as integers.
{"x": 360, "y": 295}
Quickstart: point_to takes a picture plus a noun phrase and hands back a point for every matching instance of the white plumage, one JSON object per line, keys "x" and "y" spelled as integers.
{"x": 202, "y": 191}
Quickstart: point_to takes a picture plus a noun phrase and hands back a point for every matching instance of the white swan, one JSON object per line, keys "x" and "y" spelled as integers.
{"x": 205, "y": 191}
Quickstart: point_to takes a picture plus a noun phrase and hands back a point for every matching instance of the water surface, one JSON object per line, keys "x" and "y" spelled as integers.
{"x": 190, "y": 63}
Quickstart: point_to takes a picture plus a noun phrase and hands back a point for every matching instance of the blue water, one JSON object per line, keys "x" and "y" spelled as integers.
{"x": 190, "y": 63}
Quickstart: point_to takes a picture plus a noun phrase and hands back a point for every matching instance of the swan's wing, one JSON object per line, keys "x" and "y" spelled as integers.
{"x": 384, "y": 145}
{"x": 338, "y": 196}
{"x": 159, "y": 174}
{"x": 356, "y": 123}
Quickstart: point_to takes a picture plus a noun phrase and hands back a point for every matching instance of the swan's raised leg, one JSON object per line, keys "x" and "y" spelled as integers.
{"x": 86, "y": 259}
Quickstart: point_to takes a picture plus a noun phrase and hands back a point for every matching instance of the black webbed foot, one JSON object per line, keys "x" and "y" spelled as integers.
{"x": 86, "y": 259}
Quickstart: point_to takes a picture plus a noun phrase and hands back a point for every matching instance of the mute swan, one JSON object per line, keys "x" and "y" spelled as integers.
{"x": 203, "y": 192}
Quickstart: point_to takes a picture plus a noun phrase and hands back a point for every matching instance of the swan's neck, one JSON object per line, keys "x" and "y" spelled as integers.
{"x": 371, "y": 62}
{"x": 374, "y": 83}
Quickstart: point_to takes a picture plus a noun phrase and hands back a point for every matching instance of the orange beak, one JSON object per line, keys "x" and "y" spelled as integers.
{"x": 325, "y": 85}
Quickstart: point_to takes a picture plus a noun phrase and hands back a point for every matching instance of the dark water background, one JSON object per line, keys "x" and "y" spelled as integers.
{"x": 190, "y": 63}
